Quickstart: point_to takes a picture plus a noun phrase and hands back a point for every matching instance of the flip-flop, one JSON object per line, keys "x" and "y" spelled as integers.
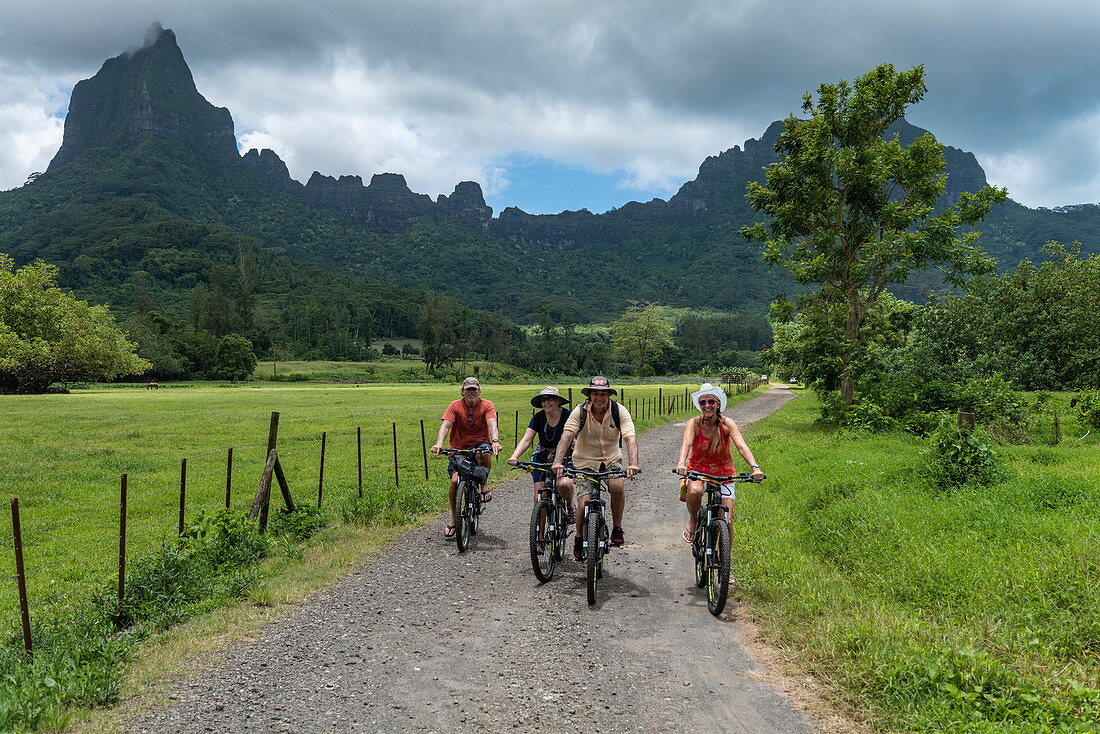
{"x": 688, "y": 536}
{"x": 486, "y": 497}
{"x": 450, "y": 531}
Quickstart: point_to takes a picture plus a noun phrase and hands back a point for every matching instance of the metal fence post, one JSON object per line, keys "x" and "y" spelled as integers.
{"x": 229, "y": 477}
{"x": 122, "y": 539}
{"x": 424, "y": 447}
{"x": 359, "y": 456}
{"x": 396, "y": 478}
{"x": 321, "y": 471}
{"x": 183, "y": 493}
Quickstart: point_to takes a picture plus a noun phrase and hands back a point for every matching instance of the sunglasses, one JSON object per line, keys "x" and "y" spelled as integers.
{"x": 708, "y": 402}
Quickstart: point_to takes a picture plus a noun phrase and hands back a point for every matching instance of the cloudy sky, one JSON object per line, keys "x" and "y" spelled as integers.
{"x": 555, "y": 105}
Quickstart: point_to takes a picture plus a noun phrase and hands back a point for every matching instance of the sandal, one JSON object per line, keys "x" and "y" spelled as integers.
{"x": 486, "y": 496}
{"x": 689, "y": 536}
{"x": 450, "y": 531}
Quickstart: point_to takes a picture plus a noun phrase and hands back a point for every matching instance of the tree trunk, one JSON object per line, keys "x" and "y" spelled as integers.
{"x": 856, "y": 310}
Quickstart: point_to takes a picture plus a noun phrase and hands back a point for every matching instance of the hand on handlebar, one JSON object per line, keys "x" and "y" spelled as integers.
{"x": 435, "y": 449}
{"x": 512, "y": 461}
{"x": 681, "y": 470}
{"x": 632, "y": 471}
{"x": 559, "y": 469}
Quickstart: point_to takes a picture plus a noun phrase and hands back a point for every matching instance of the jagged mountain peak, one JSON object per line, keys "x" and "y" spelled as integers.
{"x": 145, "y": 96}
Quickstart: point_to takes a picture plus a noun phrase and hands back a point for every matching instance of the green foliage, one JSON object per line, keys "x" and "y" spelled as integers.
{"x": 1088, "y": 408}
{"x": 852, "y": 212}
{"x": 960, "y": 456}
{"x": 300, "y": 525}
{"x": 384, "y": 503}
{"x": 47, "y": 335}
{"x": 642, "y": 334}
{"x": 1035, "y": 325}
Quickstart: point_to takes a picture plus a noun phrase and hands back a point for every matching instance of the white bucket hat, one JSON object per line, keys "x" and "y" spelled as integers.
{"x": 708, "y": 389}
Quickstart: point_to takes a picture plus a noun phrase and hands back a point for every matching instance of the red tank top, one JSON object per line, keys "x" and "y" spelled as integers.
{"x": 719, "y": 463}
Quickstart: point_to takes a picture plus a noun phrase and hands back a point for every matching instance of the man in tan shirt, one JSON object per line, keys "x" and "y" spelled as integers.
{"x": 597, "y": 449}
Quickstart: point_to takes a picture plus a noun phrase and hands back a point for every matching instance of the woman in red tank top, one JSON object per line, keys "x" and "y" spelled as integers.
{"x": 707, "y": 447}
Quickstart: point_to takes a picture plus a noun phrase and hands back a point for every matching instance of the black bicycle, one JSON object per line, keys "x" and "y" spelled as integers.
{"x": 711, "y": 543}
{"x": 468, "y": 496}
{"x": 549, "y": 523}
{"x": 594, "y": 533}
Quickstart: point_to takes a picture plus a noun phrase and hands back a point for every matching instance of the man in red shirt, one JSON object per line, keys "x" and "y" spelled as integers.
{"x": 471, "y": 422}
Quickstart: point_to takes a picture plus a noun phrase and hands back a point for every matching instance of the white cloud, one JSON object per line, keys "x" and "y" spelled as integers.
{"x": 443, "y": 91}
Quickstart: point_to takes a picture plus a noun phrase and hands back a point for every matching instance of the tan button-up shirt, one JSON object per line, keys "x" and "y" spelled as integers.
{"x": 598, "y": 443}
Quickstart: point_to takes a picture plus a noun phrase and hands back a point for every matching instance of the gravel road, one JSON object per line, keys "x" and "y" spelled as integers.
{"x": 423, "y": 639}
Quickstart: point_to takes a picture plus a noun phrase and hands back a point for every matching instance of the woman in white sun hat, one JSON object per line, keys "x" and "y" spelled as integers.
{"x": 707, "y": 447}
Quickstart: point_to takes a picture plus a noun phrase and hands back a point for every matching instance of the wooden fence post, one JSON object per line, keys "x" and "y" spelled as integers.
{"x": 396, "y": 478}
{"x": 424, "y": 448}
{"x": 21, "y": 577}
{"x": 183, "y": 494}
{"x": 321, "y": 471}
{"x": 229, "y": 478}
{"x": 570, "y": 396}
{"x": 122, "y": 539}
{"x": 359, "y": 456}
{"x": 966, "y": 421}
{"x": 515, "y": 435}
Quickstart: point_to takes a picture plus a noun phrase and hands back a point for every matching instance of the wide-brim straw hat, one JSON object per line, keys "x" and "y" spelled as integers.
{"x": 708, "y": 389}
{"x": 598, "y": 383}
{"x": 548, "y": 392}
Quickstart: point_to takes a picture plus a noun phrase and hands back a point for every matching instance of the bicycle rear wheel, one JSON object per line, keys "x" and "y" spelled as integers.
{"x": 543, "y": 539}
{"x": 462, "y": 505}
{"x": 718, "y": 566}
{"x": 699, "y": 550}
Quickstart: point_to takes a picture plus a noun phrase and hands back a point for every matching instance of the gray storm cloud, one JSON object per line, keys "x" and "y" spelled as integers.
{"x": 644, "y": 87}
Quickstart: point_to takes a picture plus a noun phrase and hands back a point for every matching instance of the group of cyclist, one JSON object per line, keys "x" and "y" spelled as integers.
{"x": 592, "y": 437}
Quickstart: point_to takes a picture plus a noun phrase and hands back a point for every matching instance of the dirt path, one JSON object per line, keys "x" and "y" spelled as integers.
{"x": 424, "y": 639}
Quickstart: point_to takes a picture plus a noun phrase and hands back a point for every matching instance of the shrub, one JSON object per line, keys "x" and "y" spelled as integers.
{"x": 957, "y": 457}
{"x": 1088, "y": 408}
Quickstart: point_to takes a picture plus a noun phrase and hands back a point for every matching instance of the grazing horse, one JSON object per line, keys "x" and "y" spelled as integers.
{"x": 152, "y": 385}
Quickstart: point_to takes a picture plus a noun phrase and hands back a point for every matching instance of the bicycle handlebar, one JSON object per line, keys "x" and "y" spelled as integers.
{"x": 533, "y": 466}
{"x": 587, "y": 474}
{"x": 692, "y": 474}
{"x": 472, "y": 452}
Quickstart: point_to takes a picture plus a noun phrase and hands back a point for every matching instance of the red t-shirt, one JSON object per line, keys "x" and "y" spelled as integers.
{"x": 718, "y": 463}
{"x": 471, "y": 426}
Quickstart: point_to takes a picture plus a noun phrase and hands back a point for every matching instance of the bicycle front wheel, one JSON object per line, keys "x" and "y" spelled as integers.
{"x": 595, "y": 555}
{"x": 718, "y": 566}
{"x": 543, "y": 538}
{"x": 474, "y": 494}
{"x": 462, "y": 505}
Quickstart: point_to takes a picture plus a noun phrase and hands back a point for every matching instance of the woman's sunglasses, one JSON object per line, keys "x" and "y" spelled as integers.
{"x": 708, "y": 402}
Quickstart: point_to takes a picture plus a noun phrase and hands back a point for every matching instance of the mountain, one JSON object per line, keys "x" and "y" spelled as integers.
{"x": 154, "y": 167}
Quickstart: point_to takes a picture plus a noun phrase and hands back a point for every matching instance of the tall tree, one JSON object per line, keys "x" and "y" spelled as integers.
{"x": 642, "y": 333}
{"x": 48, "y": 335}
{"x": 437, "y": 331}
{"x": 853, "y": 212}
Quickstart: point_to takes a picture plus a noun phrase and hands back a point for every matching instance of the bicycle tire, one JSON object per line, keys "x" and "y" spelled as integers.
{"x": 563, "y": 530}
{"x": 699, "y": 550}
{"x": 542, "y": 538}
{"x": 718, "y": 568}
{"x": 462, "y": 528}
{"x": 605, "y": 544}
{"x": 593, "y": 559}
{"x": 475, "y": 506}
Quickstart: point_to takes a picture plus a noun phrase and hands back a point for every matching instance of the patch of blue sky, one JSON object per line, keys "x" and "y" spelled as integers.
{"x": 540, "y": 185}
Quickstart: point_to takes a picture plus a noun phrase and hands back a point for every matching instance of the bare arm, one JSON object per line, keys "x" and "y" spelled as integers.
{"x": 632, "y": 456}
{"x": 524, "y": 444}
{"x": 685, "y": 447}
{"x": 444, "y": 429}
{"x": 743, "y": 448}
{"x": 494, "y": 433}
{"x": 563, "y": 446}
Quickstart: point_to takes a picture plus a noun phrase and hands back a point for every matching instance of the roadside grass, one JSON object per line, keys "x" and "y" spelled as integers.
{"x": 59, "y": 453}
{"x": 927, "y": 609}
{"x": 387, "y": 369}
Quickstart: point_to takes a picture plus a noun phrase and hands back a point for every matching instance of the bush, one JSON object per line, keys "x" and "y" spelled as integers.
{"x": 1088, "y": 408}
{"x": 958, "y": 456}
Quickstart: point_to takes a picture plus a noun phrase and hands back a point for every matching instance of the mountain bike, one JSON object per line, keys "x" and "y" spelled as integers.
{"x": 711, "y": 543}
{"x": 468, "y": 506}
{"x": 549, "y": 523}
{"x": 594, "y": 533}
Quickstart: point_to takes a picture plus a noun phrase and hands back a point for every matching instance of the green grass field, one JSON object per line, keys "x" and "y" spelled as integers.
{"x": 927, "y": 609}
{"x": 392, "y": 369}
{"x": 62, "y": 456}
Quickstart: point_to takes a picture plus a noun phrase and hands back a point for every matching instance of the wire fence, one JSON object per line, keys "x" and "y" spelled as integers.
{"x": 65, "y": 542}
